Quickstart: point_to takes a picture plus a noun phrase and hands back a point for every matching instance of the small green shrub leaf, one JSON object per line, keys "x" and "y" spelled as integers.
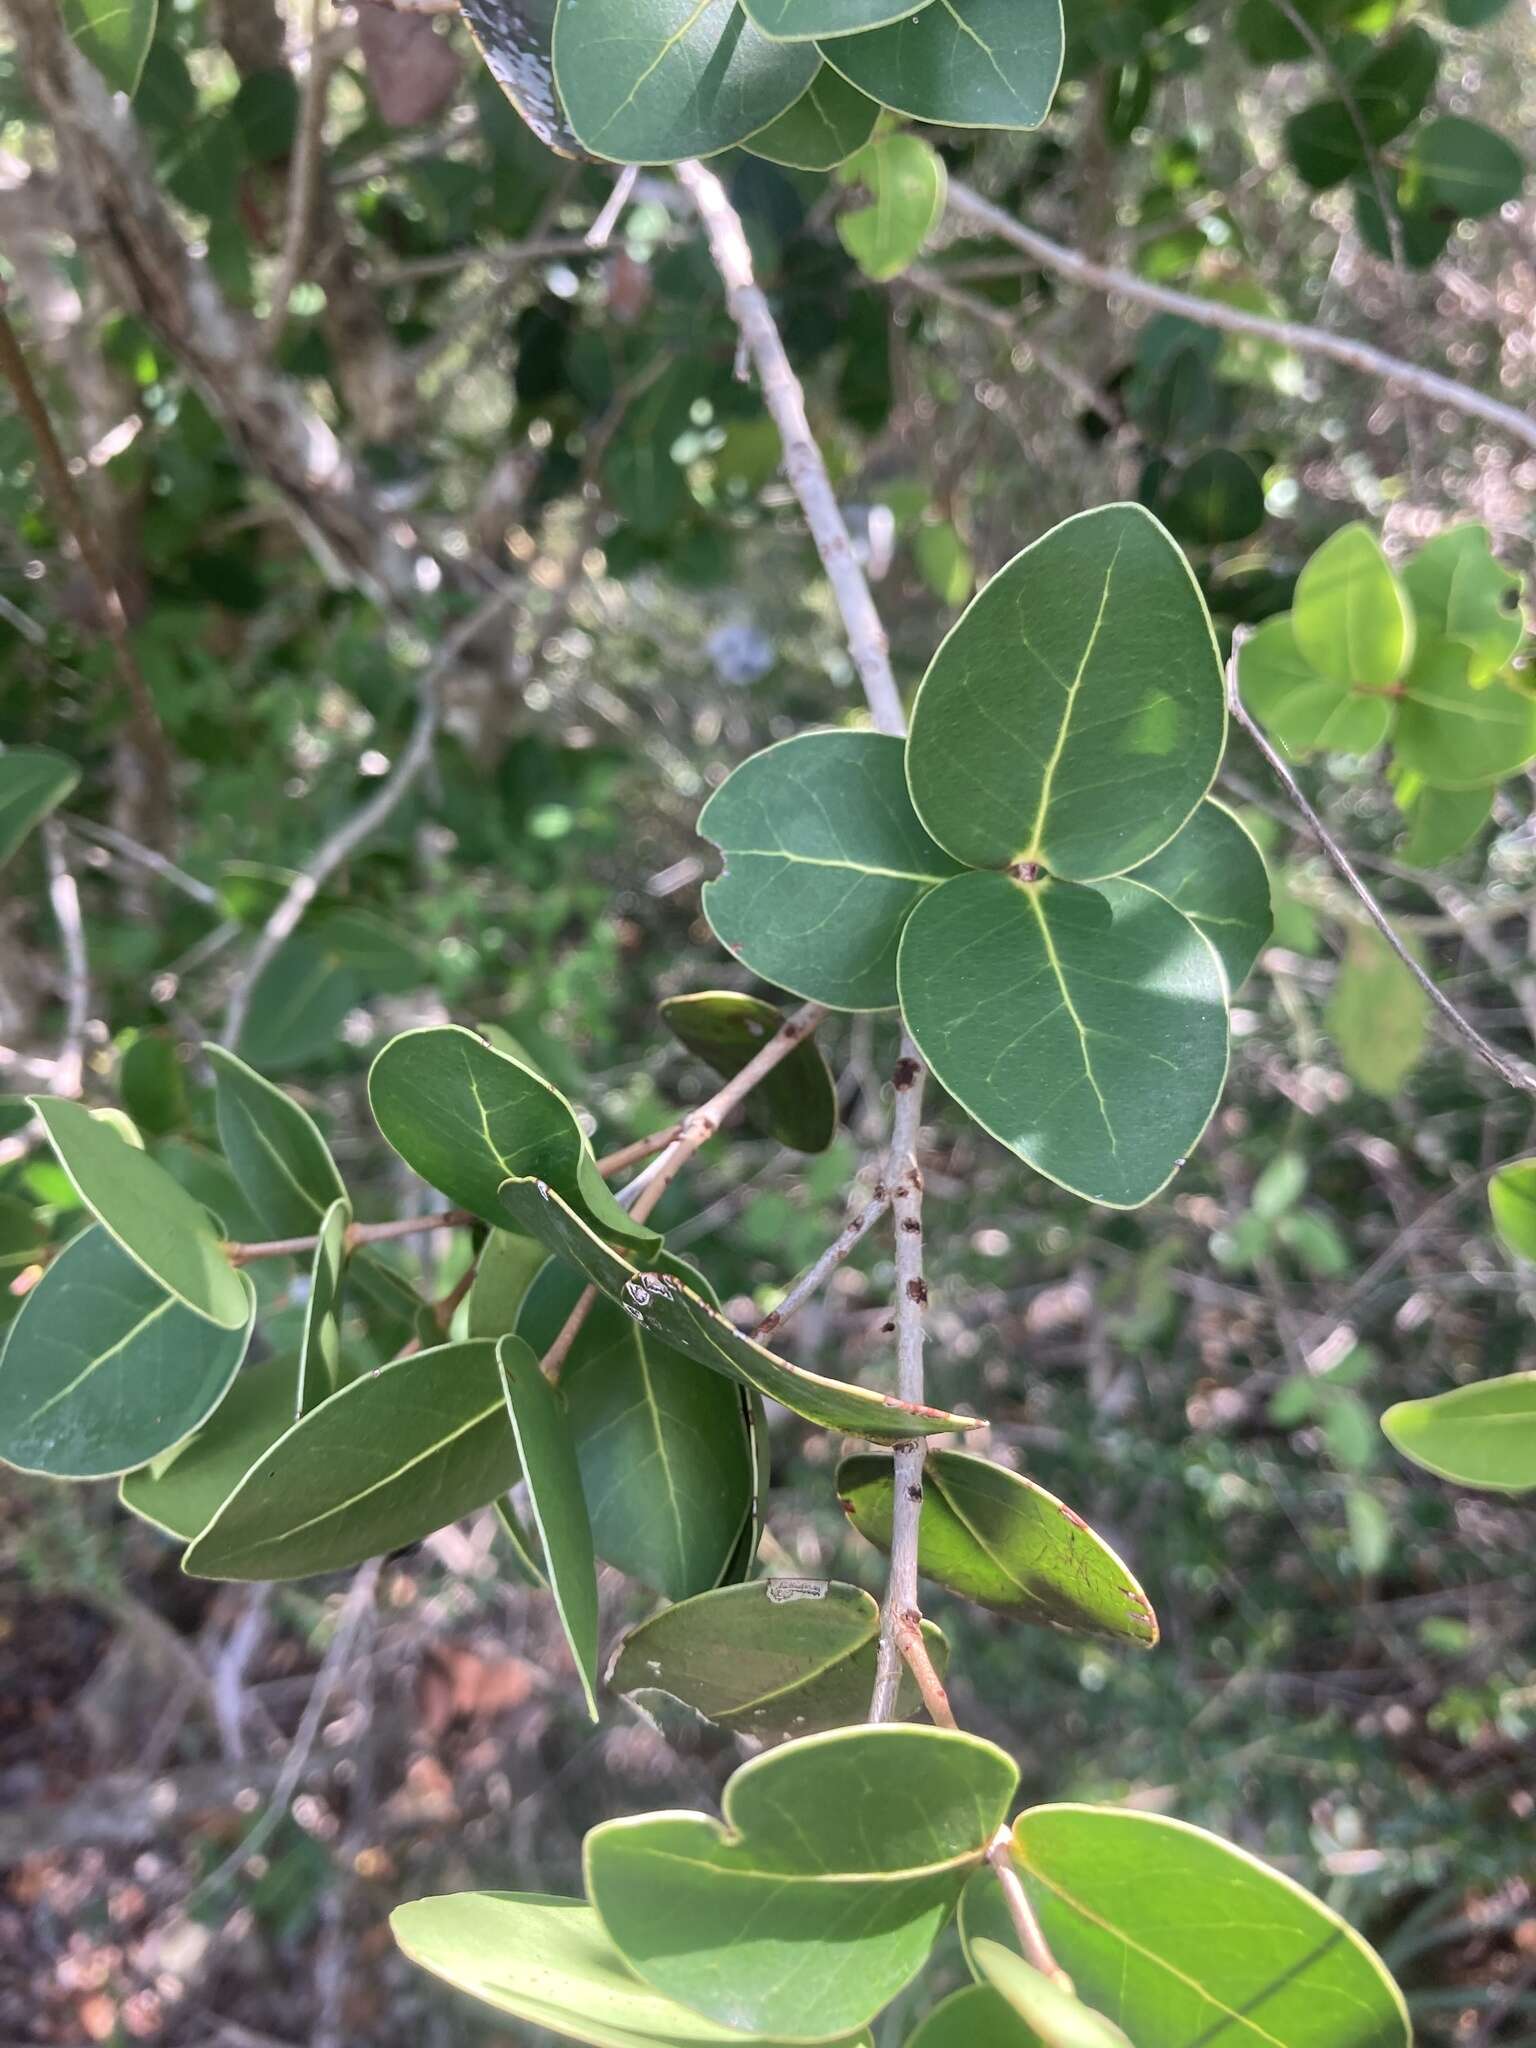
{"x": 666, "y": 1309}
{"x": 115, "y": 35}
{"x": 1512, "y": 1199}
{"x": 182, "y": 1492}
{"x": 1054, "y": 2016}
{"x": 1462, "y": 166}
{"x": 1085, "y": 1028}
{"x": 965, "y": 63}
{"x": 777, "y": 1659}
{"x": 103, "y": 1370}
{"x": 802, "y": 20}
{"x": 320, "y": 1371}
{"x": 156, "y": 1222}
{"x": 824, "y": 859}
{"x": 1306, "y": 712}
{"x": 1075, "y": 714}
{"x": 840, "y": 1858}
{"x": 1378, "y": 1014}
{"x": 283, "y": 1165}
{"x": 975, "y": 2017}
{"x": 907, "y": 185}
{"x": 1352, "y": 619}
{"x": 1001, "y": 1540}
{"x": 1464, "y": 593}
{"x": 1482, "y": 1435}
{"x": 396, "y": 1455}
{"x": 797, "y": 1103}
{"x": 826, "y": 125}
{"x": 153, "y": 1085}
{"x": 1456, "y": 734}
{"x": 33, "y": 782}
{"x": 1212, "y": 871}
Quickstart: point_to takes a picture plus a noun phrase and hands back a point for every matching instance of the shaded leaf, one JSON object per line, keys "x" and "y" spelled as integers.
{"x": 320, "y": 1372}
{"x": 182, "y": 1492}
{"x": 797, "y": 1103}
{"x": 283, "y": 1165}
{"x": 1053, "y": 2015}
{"x": 1463, "y": 166}
{"x": 976, "y": 2017}
{"x": 1378, "y": 1015}
{"x": 33, "y": 782}
{"x": 114, "y": 34}
{"x": 507, "y": 1268}
{"x": 1212, "y": 871}
{"x": 830, "y": 120}
{"x": 965, "y": 63}
{"x": 797, "y": 20}
{"x": 152, "y": 1083}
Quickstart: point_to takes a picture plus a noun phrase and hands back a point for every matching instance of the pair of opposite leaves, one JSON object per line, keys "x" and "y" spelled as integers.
{"x": 1036, "y": 875}
{"x": 841, "y": 1858}
{"x": 802, "y": 82}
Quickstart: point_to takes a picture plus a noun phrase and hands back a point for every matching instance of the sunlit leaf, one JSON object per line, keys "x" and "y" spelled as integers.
{"x": 1351, "y": 617}
{"x": 1212, "y": 871}
{"x": 1481, "y": 1435}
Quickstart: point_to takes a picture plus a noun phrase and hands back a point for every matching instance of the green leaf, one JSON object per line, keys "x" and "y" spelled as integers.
{"x": 102, "y": 1370}
{"x": 977, "y": 2017}
{"x": 802, "y": 20}
{"x": 964, "y": 63}
{"x": 152, "y": 1083}
{"x": 1055, "y": 2016}
{"x": 298, "y": 1004}
{"x": 840, "y": 1858}
{"x": 1482, "y": 1435}
{"x": 1001, "y": 1540}
{"x": 1441, "y": 821}
{"x": 1370, "y": 1531}
{"x": 944, "y": 561}
{"x": 1462, "y": 592}
{"x": 1512, "y": 1201}
{"x": 824, "y": 858}
{"x": 1085, "y": 1028}
{"x": 320, "y": 1372}
{"x": 33, "y": 782}
{"x": 1455, "y": 733}
{"x": 1174, "y": 1935}
{"x": 1075, "y": 714}
{"x": 1390, "y": 88}
{"x": 466, "y": 1118}
{"x": 1217, "y": 499}
{"x": 388, "y": 1460}
{"x": 1324, "y": 144}
{"x": 549, "y": 1963}
{"x": 153, "y": 1220}
{"x": 830, "y": 120}
{"x": 666, "y": 1462}
{"x": 114, "y": 34}
{"x": 515, "y": 38}
{"x": 182, "y": 1493}
{"x": 1304, "y": 711}
{"x": 1351, "y": 617}
{"x": 797, "y": 1103}
{"x": 1462, "y": 165}
{"x": 1213, "y": 872}
{"x": 908, "y": 186}
{"x": 777, "y": 1659}
{"x": 665, "y": 1309}
{"x": 283, "y": 1165}
{"x": 650, "y": 81}
{"x": 1378, "y": 1015}
{"x": 507, "y": 1268}
{"x": 547, "y": 1452}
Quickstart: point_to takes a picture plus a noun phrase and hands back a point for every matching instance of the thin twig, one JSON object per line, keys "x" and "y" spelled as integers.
{"x": 913, "y": 1647}
{"x": 1514, "y": 1072}
{"x": 904, "y": 1178}
{"x": 142, "y": 856}
{"x": 554, "y": 1358}
{"x": 601, "y": 232}
{"x": 815, "y": 1277}
{"x": 64, "y": 899}
{"x": 641, "y": 1149}
{"x": 303, "y": 180}
{"x": 803, "y": 463}
{"x": 971, "y": 208}
{"x": 357, "y": 1234}
{"x": 1025, "y": 1925}
{"x": 367, "y": 819}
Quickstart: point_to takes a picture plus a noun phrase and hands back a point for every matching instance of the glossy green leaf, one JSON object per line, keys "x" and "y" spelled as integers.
{"x": 797, "y": 1103}
{"x": 1463, "y": 593}
{"x": 1482, "y": 1435}
{"x": 840, "y": 1858}
{"x": 320, "y": 1372}
{"x": 515, "y": 37}
{"x": 1053, "y": 2014}
{"x": 1213, "y": 872}
{"x": 826, "y": 125}
{"x": 549, "y": 1963}
{"x": 1304, "y": 711}
{"x": 650, "y": 81}
{"x": 182, "y": 1492}
{"x": 1175, "y": 1935}
{"x": 1217, "y": 499}
{"x": 547, "y": 1451}
{"x": 153, "y": 1084}
{"x": 102, "y": 1370}
{"x": 963, "y": 63}
{"x": 798, "y": 20}
{"x": 507, "y": 1268}
{"x": 154, "y": 1220}
{"x": 776, "y": 1659}
{"x": 1378, "y": 1015}
{"x": 665, "y": 1309}
{"x": 33, "y": 782}
{"x": 1075, "y": 714}
{"x": 907, "y": 185}
{"x": 466, "y": 1118}
{"x": 1512, "y": 1200}
{"x": 1441, "y": 821}
{"x": 1455, "y": 733}
{"x": 999, "y": 1539}
{"x": 114, "y": 34}
{"x": 824, "y": 858}
{"x": 666, "y": 1462}
{"x": 975, "y": 2017}
{"x": 1463, "y": 166}
{"x": 282, "y": 1163}
{"x": 388, "y": 1460}
{"x": 1351, "y": 617}
{"x": 1085, "y": 1028}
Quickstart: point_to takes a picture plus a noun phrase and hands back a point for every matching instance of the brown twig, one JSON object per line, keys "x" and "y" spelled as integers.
{"x": 1515, "y": 1073}
{"x": 553, "y": 1361}
{"x": 913, "y": 1647}
{"x": 640, "y": 1150}
{"x": 357, "y": 1234}
{"x": 1025, "y": 1925}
